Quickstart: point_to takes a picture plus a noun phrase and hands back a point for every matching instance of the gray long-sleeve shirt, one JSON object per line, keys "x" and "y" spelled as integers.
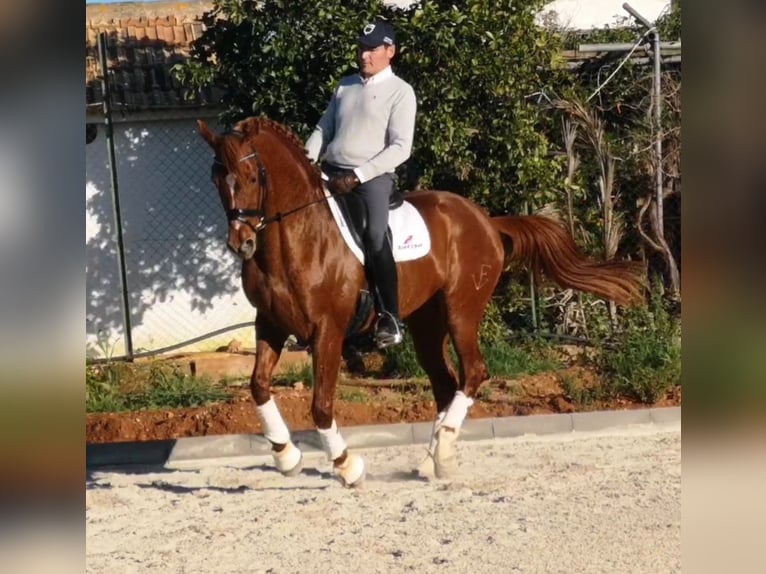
{"x": 368, "y": 126}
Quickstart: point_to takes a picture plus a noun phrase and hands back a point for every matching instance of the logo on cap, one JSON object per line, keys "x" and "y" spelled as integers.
{"x": 368, "y": 29}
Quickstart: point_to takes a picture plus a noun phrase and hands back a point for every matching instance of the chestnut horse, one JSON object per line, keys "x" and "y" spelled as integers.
{"x": 303, "y": 280}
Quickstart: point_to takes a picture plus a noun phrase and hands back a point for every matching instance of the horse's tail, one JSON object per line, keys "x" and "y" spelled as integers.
{"x": 544, "y": 245}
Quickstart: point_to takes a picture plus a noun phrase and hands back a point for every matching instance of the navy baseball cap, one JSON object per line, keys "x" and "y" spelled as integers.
{"x": 377, "y": 34}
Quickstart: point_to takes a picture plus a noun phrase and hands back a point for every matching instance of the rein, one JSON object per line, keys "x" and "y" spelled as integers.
{"x": 279, "y": 215}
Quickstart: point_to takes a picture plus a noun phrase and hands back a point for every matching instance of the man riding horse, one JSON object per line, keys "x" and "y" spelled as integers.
{"x": 364, "y": 134}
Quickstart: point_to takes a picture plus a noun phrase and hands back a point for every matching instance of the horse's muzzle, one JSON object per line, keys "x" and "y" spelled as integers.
{"x": 245, "y": 250}
{"x": 241, "y": 242}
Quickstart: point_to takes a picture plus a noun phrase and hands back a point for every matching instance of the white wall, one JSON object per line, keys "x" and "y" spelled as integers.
{"x": 587, "y": 14}
{"x": 183, "y": 283}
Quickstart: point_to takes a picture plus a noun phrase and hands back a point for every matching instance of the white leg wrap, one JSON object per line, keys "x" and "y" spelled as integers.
{"x": 289, "y": 460}
{"x": 457, "y": 411}
{"x": 426, "y": 466}
{"x": 437, "y": 425}
{"x": 274, "y": 428}
{"x": 445, "y": 456}
{"x": 352, "y": 472}
{"x": 332, "y": 442}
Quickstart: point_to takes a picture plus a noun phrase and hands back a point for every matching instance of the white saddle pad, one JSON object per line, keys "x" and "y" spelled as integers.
{"x": 408, "y": 230}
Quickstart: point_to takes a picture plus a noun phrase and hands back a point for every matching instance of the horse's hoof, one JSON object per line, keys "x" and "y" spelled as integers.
{"x": 445, "y": 457}
{"x": 426, "y": 468}
{"x": 352, "y": 472}
{"x": 289, "y": 461}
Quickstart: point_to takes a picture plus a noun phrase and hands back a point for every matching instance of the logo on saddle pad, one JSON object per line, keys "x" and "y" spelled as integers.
{"x": 408, "y": 231}
{"x": 409, "y": 243}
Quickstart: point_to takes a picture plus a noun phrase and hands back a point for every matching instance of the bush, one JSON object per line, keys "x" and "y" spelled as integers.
{"x": 503, "y": 358}
{"x": 642, "y": 360}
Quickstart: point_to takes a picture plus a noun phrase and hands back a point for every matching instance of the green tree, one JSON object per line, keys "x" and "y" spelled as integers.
{"x": 477, "y": 68}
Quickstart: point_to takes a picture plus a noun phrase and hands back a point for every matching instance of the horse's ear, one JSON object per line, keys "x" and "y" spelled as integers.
{"x": 249, "y": 126}
{"x": 206, "y": 134}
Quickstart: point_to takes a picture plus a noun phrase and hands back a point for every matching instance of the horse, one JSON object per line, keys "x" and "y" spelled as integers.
{"x": 303, "y": 280}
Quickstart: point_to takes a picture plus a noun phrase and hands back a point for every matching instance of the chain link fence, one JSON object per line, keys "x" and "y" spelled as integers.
{"x": 181, "y": 284}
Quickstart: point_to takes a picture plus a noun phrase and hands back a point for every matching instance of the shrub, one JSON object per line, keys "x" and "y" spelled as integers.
{"x": 642, "y": 360}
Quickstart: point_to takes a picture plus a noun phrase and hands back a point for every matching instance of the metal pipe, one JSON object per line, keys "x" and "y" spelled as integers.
{"x": 637, "y": 16}
{"x": 657, "y": 123}
{"x": 116, "y": 213}
{"x": 622, "y": 47}
{"x": 616, "y": 47}
{"x": 574, "y": 64}
{"x": 658, "y": 135}
{"x": 532, "y": 286}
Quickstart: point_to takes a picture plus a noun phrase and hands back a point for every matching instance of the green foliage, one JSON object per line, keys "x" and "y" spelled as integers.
{"x": 624, "y": 105}
{"x": 351, "y": 395}
{"x": 475, "y": 68}
{"x": 643, "y": 359}
{"x": 114, "y": 388}
{"x": 579, "y": 395}
{"x": 102, "y": 388}
{"x": 275, "y": 58}
{"x": 508, "y": 360}
{"x": 504, "y": 359}
{"x": 401, "y": 361}
{"x": 295, "y": 373}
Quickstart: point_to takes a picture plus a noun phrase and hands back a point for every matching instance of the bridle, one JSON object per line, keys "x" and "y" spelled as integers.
{"x": 245, "y": 215}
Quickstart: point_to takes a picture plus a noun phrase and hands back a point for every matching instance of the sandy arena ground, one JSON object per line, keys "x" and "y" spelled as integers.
{"x": 607, "y": 502}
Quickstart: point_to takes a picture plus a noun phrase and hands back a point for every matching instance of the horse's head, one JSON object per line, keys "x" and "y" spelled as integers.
{"x": 242, "y": 183}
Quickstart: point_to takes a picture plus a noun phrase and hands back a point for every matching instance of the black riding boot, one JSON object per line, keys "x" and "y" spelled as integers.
{"x": 384, "y": 284}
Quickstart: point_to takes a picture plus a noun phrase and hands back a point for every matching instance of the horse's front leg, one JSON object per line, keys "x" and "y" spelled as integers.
{"x": 349, "y": 468}
{"x": 269, "y": 343}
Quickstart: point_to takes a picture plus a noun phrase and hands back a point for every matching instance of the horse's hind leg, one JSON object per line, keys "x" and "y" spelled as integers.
{"x": 269, "y": 344}
{"x": 428, "y": 327}
{"x": 464, "y": 315}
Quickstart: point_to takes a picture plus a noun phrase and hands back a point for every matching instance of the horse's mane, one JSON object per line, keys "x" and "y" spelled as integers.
{"x": 252, "y": 126}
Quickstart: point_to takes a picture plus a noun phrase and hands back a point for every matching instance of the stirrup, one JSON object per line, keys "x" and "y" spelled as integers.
{"x": 387, "y": 338}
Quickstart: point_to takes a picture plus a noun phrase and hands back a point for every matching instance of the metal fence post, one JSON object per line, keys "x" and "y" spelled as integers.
{"x": 123, "y": 275}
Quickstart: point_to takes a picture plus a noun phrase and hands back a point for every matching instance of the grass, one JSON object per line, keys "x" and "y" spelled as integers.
{"x": 351, "y": 395}
{"x": 295, "y": 373}
{"x": 578, "y": 394}
{"x": 118, "y": 387}
{"x": 503, "y": 359}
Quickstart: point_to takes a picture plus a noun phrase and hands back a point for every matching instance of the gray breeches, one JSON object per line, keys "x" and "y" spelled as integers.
{"x": 376, "y": 195}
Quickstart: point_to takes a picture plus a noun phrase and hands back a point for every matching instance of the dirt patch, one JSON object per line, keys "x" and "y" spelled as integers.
{"x": 358, "y": 402}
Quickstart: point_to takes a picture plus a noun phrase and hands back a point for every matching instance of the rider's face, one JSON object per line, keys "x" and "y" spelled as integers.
{"x": 374, "y": 60}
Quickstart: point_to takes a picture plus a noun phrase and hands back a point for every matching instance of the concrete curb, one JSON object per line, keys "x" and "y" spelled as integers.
{"x": 169, "y": 452}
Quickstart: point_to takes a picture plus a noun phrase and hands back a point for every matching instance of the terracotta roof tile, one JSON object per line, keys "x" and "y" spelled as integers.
{"x": 144, "y": 40}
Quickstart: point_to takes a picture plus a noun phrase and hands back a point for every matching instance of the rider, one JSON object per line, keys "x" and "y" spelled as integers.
{"x": 364, "y": 134}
